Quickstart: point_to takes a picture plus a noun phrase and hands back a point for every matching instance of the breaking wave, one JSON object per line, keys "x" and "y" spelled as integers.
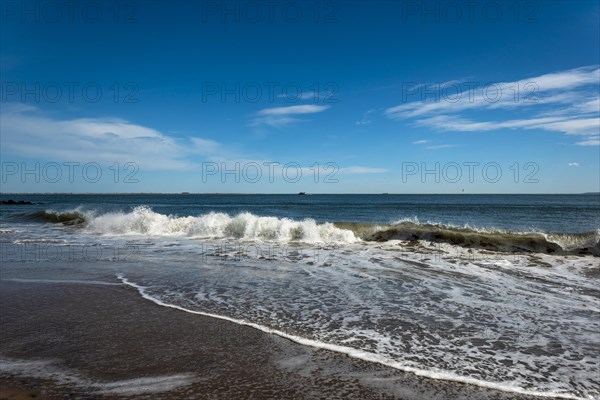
{"x": 245, "y": 226}
{"x": 73, "y": 217}
{"x": 489, "y": 239}
{"x": 142, "y": 220}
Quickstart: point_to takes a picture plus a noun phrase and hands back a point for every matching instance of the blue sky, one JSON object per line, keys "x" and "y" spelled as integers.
{"x": 282, "y": 97}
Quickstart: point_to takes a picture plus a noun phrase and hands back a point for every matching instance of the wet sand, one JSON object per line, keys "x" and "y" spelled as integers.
{"x": 67, "y": 341}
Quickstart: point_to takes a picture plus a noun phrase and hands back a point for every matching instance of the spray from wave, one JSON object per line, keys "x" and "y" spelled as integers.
{"x": 142, "y": 220}
{"x": 245, "y": 226}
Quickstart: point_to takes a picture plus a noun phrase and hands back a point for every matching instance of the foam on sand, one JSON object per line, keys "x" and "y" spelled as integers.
{"x": 47, "y": 369}
{"x": 356, "y": 353}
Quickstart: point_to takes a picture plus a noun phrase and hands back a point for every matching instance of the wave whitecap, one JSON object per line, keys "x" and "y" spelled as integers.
{"x": 245, "y": 226}
{"x": 142, "y": 220}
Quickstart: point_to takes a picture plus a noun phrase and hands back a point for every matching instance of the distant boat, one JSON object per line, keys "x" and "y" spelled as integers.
{"x": 185, "y": 192}
{"x": 302, "y": 194}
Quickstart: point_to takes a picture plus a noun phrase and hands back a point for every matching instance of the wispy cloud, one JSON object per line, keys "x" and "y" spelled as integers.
{"x": 434, "y": 146}
{"x": 441, "y": 146}
{"x": 582, "y": 126}
{"x": 593, "y": 141}
{"x": 573, "y": 164}
{"x": 303, "y": 95}
{"x": 362, "y": 170}
{"x": 564, "y": 101}
{"x": 366, "y": 118}
{"x": 292, "y": 110}
{"x": 29, "y": 133}
{"x": 281, "y": 116}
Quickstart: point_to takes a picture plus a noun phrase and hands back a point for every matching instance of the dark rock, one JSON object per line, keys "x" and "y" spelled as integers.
{"x": 11, "y": 202}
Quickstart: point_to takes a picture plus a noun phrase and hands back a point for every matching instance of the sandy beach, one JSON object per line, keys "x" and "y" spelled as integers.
{"x": 92, "y": 341}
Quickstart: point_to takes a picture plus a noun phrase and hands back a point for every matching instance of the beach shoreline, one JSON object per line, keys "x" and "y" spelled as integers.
{"x": 73, "y": 340}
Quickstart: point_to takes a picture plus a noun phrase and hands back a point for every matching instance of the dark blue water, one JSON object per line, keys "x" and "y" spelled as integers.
{"x": 548, "y": 213}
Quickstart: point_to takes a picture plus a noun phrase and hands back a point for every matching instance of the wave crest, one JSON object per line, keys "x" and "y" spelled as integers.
{"x": 246, "y": 226}
{"x": 489, "y": 239}
{"x": 73, "y": 217}
{"x": 142, "y": 220}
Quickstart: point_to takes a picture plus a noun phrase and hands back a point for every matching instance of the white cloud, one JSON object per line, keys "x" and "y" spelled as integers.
{"x": 573, "y": 164}
{"x": 593, "y": 141}
{"x": 441, "y": 146}
{"x": 564, "y": 101}
{"x": 27, "y": 132}
{"x": 206, "y": 147}
{"x": 541, "y": 90}
{"x": 591, "y": 106}
{"x": 280, "y": 116}
{"x": 292, "y": 110}
{"x": 582, "y": 126}
{"x": 433, "y": 147}
{"x": 295, "y": 95}
{"x": 365, "y": 120}
{"x": 362, "y": 170}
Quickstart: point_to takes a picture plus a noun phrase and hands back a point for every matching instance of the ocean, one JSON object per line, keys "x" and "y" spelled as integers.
{"x": 497, "y": 291}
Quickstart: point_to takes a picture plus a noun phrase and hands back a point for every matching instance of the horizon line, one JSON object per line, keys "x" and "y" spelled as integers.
{"x": 284, "y": 193}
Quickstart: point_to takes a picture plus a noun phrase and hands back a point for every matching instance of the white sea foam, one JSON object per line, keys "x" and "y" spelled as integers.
{"x": 48, "y": 369}
{"x": 573, "y": 241}
{"x": 377, "y": 357}
{"x": 155, "y": 384}
{"x": 246, "y": 226}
